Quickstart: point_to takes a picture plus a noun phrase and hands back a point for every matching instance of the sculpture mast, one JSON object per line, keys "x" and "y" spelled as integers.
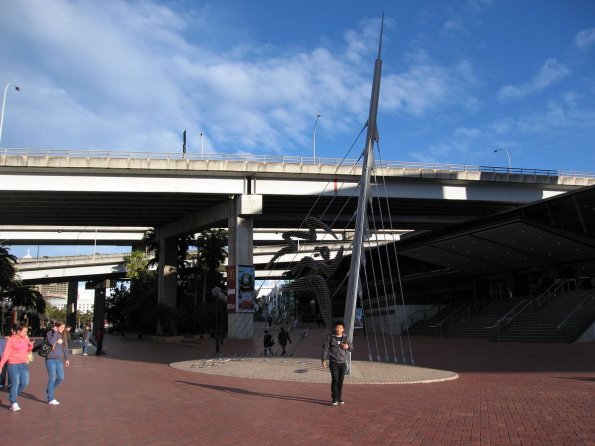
{"x": 361, "y": 224}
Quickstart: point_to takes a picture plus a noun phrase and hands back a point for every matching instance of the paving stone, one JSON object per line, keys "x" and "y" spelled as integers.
{"x": 505, "y": 394}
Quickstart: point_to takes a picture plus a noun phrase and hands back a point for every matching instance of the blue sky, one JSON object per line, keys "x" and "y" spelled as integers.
{"x": 460, "y": 78}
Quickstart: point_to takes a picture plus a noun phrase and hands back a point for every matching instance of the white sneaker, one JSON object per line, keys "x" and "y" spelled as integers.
{"x": 54, "y": 403}
{"x": 85, "y": 354}
{"x": 15, "y": 407}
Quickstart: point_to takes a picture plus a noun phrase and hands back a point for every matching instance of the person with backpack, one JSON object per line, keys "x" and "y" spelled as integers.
{"x": 268, "y": 343}
{"x": 334, "y": 355}
{"x": 16, "y": 354}
{"x": 283, "y": 338}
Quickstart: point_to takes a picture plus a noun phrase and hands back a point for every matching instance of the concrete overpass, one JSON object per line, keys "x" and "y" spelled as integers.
{"x": 177, "y": 195}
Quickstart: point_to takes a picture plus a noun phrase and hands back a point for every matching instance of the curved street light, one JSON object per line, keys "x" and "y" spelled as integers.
{"x": 314, "y": 137}
{"x": 507, "y": 154}
{"x": 17, "y": 88}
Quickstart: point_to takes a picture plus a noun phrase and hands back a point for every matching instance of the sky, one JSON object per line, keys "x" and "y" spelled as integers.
{"x": 460, "y": 78}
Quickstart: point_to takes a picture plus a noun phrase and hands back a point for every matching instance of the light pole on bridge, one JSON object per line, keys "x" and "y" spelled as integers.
{"x": 17, "y": 88}
{"x": 314, "y": 136}
{"x": 507, "y": 154}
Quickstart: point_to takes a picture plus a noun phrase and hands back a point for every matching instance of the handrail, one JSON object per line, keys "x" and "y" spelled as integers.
{"x": 505, "y": 320}
{"x": 177, "y": 156}
{"x": 422, "y": 310}
{"x": 523, "y": 302}
{"x": 576, "y": 309}
{"x": 451, "y": 316}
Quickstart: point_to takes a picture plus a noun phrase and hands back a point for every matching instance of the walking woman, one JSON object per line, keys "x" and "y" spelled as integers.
{"x": 16, "y": 354}
{"x": 54, "y": 363}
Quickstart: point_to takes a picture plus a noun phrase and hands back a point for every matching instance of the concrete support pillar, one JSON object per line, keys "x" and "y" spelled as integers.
{"x": 168, "y": 275}
{"x": 99, "y": 308}
{"x": 71, "y": 303}
{"x": 240, "y": 226}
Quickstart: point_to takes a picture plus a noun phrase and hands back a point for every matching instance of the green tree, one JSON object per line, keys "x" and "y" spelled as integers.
{"x": 211, "y": 253}
{"x": 8, "y": 270}
{"x": 12, "y": 289}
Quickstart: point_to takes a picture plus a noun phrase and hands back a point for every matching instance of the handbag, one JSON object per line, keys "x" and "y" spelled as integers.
{"x": 44, "y": 350}
{"x": 30, "y": 357}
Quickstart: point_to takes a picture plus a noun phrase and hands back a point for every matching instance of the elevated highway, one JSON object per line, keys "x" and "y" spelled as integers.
{"x": 66, "y": 190}
{"x": 132, "y": 189}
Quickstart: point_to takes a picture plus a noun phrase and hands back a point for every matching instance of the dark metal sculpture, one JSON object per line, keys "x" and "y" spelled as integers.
{"x": 310, "y": 275}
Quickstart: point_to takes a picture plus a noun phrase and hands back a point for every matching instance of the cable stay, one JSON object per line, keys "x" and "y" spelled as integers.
{"x": 371, "y": 259}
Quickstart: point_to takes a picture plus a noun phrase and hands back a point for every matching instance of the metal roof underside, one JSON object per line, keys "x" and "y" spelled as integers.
{"x": 508, "y": 242}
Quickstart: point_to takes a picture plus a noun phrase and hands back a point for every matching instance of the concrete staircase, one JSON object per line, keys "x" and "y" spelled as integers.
{"x": 562, "y": 319}
{"x": 425, "y": 326}
{"x": 478, "y": 325}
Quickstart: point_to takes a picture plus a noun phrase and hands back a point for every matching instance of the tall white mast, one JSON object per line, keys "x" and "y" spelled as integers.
{"x": 353, "y": 285}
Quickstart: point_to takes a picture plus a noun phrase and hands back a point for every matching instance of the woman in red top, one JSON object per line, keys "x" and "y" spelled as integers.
{"x": 17, "y": 349}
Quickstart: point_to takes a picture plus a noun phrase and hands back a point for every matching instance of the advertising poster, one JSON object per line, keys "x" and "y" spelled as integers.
{"x": 359, "y": 318}
{"x": 245, "y": 289}
{"x": 231, "y": 288}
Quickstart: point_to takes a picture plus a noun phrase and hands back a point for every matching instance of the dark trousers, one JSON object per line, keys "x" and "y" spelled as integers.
{"x": 98, "y": 348}
{"x": 338, "y": 374}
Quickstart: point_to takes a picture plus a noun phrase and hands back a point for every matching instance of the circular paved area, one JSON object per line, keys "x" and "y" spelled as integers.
{"x": 310, "y": 370}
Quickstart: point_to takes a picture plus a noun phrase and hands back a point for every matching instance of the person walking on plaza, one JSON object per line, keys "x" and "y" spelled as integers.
{"x": 3, "y": 340}
{"x": 334, "y": 355}
{"x": 99, "y": 341}
{"x": 283, "y": 337}
{"x": 85, "y": 336}
{"x": 54, "y": 363}
{"x": 16, "y": 354}
{"x": 268, "y": 343}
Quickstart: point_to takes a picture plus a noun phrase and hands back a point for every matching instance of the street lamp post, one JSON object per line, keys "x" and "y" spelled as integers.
{"x": 507, "y": 154}
{"x": 314, "y": 136}
{"x": 17, "y": 88}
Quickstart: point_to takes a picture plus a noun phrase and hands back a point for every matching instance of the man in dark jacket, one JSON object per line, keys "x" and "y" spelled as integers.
{"x": 268, "y": 343}
{"x": 283, "y": 337}
{"x": 334, "y": 355}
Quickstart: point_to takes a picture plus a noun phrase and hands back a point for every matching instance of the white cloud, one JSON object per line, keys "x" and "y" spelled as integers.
{"x": 427, "y": 87}
{"x": 585, "y": 38}
{"x": 468, "y": 14}
{"x": 550, "y": 72}
{"x": 123, "y": 75}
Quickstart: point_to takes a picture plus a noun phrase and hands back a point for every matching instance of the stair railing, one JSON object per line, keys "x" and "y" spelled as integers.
{"x": 577, "y": 308}
{"x": 524, "y": 305}
{"x": 449, "y": 319}
{"x": 508, "y": 317}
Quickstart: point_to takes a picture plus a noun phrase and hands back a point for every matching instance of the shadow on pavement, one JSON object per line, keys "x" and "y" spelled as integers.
{"x": 241, "y": 391}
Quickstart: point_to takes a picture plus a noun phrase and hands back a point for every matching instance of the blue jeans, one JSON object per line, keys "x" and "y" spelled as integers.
{"x": 55, "y": 369}
{"x": 19, "y": 379}
{"x": 85, "y": 346}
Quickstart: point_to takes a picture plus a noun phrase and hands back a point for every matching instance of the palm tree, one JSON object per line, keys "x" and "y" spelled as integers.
{"x": 136, "y": 264}
{"x": 8, "y": 270}
{"x": 211, "y": 253}
{"x": 11, "y": 288}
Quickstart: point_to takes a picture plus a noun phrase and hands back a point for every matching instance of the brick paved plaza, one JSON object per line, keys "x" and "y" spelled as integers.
{"x": 526, "y": 394}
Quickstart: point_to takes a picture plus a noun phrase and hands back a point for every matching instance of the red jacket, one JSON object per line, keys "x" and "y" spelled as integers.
{"x": 16, "y": 350}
